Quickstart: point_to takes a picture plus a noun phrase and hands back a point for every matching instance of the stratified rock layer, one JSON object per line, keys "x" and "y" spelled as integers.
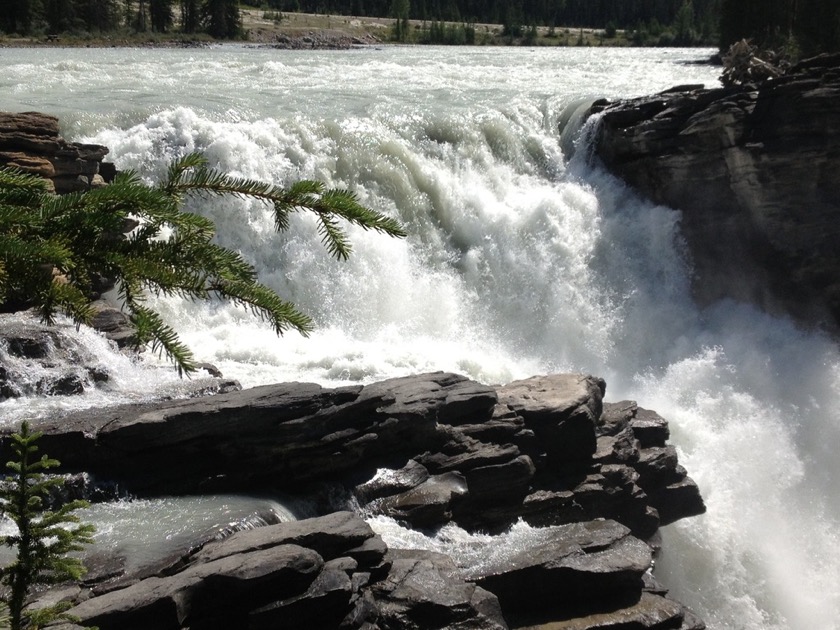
{"x": 30, "y": 141}
{"x": 430, "y": 449}
{"x": 756, "y": 172}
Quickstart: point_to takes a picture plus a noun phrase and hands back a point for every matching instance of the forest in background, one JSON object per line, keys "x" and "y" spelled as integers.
{"x": 795, "y": 27}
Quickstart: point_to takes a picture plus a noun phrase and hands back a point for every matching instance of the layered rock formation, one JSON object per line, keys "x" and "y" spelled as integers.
{"x": 31, "y": 142}
{"x": 756, "y": 173}
{"x": 595, "y": 479}
{"x": 427, "y": 449}
{"x": 334, "y": 572}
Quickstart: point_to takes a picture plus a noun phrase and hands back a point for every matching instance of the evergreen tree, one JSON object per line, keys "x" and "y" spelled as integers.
{"x": 60, "y": 15}
{"x": 817, "y": 26}
{"x": 96, "y": 15}
{"x": 160, "y": 15}
{"x": 16, "y": 17}
{"x": 685, "y": 34}
{"x": 399, "y": 11}
{"x": 44, "y": 536}
{"x": 53, "y": 248}
{"x": 190, "y": 16}
{"x": 222, "y": 19}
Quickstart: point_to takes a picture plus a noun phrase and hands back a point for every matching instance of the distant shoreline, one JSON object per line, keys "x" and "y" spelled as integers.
{"x": 302, "y": 31}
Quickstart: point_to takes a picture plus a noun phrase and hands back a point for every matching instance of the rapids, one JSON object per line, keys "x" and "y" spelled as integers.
{"x": 522, "y": 259}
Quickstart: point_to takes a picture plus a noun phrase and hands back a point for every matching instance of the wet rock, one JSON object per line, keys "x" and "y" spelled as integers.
{"x": 289, "y": 433}
{"x": 212, "y": 595}
{"x": 64, "y": 385}
{"x": 388, "y": 444}
{"x": 754, "y": 171}
{"x": 573, "y": 570}
{"x": 651, "y": 612}
{"x": 390, "y": 482}
{"x": 426, "y": 590}
{"x": 36, "y": 345}
{"x": 427, "y": 504}
{"x": 260, "y": 579}
{"x": 561, "y": 410}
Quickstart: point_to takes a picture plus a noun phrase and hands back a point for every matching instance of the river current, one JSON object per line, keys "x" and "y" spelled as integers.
{"x": 521, "y": 259}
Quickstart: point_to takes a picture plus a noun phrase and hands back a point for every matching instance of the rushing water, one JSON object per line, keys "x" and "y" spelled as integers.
{"x": 520, "y": 260}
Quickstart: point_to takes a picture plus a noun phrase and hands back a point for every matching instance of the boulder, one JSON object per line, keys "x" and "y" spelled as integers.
{"x": 651, "y": 612}
{"x": 386, "y": 441}
{"x": 50, "y": 361}
{"x": 290, "y": 434}
{"x": 299, "y": 575}
{"x": 561, "y": 410}
{"x": 425, "y": 590}
{"x": 754, "y": 170}
{"x": 426, "y": 505}
{"x": 568, "y": 571}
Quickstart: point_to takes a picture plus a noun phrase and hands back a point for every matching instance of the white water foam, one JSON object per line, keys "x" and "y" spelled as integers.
{"x": 517, "y": 263}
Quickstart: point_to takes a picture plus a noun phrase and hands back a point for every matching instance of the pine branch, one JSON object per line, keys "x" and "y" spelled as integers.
{"x": 150, "y": 329}
{"x": 63, "y": 296}
{"x": 52, "y": 247}
{"x": 265, "y": 304}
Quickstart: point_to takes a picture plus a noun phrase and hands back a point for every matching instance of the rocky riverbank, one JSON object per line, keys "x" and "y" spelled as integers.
{"x": 594, "y": 479}
{"x": 755, "y": 170}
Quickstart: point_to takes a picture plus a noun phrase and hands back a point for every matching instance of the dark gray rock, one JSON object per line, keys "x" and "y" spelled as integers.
{"x": 419, "y": 470}
{"x": 211, "y": 595}
{"x": 114, "y": 324}
{"x": 323, "y": 604}
{"x": 651, "y": 612}
{"x": 426, "y": 505}
{"x": 289, "y": 433}
{"x": 302, "y": 574}
{"x": 63, "y": 385}
{"x": 755, "y": 171}
{"x": 389, "y": 482}
{"x": 570, "y": 570}
{"x": 426, "y": 591}
{"x": 562, "y": 411}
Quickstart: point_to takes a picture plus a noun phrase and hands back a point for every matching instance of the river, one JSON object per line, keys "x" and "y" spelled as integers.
{"x": 521, "y": 259}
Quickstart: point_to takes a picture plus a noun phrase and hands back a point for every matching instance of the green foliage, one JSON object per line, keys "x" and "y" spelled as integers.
{"x": 273, "y": 16}
{"x": 772, "y": 24}
{"x": 160, "y": 15}
{"x": 222, "y": 19}
{"x": 400, "y": 10}
{"x": 448, "y": 34}
{"x": 45, "y": 537}
{"x": 54, "y": 248}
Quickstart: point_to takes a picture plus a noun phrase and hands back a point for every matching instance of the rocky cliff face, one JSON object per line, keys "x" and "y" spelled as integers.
{"x": 31, "y": 142}
{"x": 756, "y": 173}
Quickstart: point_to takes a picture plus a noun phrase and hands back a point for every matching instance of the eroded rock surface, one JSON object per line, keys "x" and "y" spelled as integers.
{"x": 31, "y": 142}
{"x": 426, "y": 450}
{"x": 755, "y": 172}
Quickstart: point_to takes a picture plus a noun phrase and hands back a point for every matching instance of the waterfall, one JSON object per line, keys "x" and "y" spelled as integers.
{"x": 519, "y": 261}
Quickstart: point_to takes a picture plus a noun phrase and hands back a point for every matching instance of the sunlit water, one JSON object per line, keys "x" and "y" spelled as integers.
{"x": 520, "y": 260}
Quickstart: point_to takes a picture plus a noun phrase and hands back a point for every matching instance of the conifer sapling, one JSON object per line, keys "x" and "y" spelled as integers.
{"x": 45, "y": 536}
